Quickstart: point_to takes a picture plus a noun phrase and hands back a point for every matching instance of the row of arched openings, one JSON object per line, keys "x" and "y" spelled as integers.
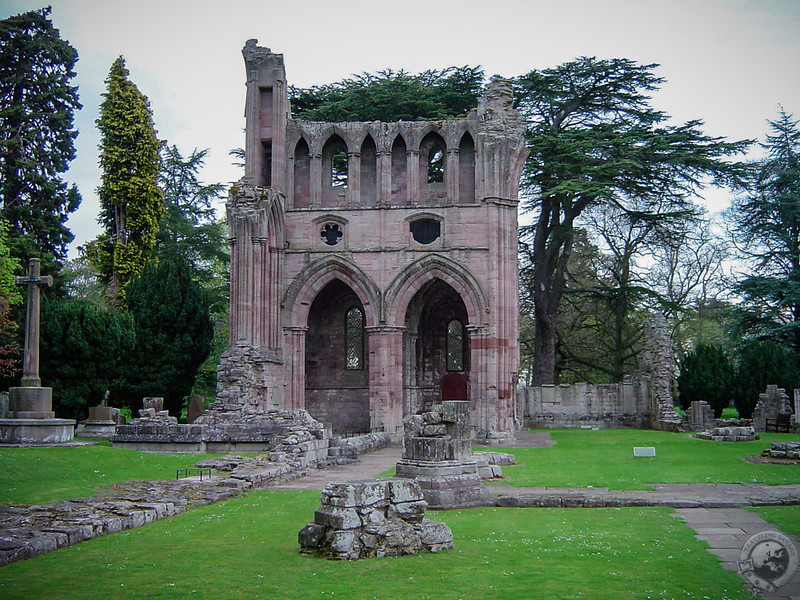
{"x": 434, "y": 166}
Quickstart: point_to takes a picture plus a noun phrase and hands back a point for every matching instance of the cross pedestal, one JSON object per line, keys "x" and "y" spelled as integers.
{"x": 30, "y": 418}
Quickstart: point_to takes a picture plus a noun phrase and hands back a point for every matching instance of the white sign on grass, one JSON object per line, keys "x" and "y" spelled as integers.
{"x": 639, "y": 451}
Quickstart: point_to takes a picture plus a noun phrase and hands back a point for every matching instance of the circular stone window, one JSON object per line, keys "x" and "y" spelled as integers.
{"x": 426, "y": 231}
{"x": 331, "y": 233}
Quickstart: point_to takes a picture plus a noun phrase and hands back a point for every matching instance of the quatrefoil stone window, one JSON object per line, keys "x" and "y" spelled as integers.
{"x": 331, "y": 233}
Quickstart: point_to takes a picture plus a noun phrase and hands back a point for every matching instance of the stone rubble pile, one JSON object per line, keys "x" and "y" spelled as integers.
{"x": 153, "y": 413}
{"x": 786, "y": 450}
{"x": 373, "y": 518}
{"x": 490, "y": 463}
{"x": 729, "y": 434}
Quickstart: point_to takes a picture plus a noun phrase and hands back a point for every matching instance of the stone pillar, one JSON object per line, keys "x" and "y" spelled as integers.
{"x": 316, "y": 180}
{"x": 385, "y": 346}
{"x": 412, "y": 166}
{"x": 452, "y": 172}
{"x": 295, "y": 371}
{"x": 384, "y": 178}
{"x": 437, "y": 453}
{"x": 353, "y": 194}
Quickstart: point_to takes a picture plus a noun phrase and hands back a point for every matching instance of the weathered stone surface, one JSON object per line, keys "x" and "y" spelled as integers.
{"x": 783, "y": 450}
{"x": 294, "y": 230}
{"x": 729, "y": 434}
{"x": 771, "y": 403}
{"x": 385, "y": 517}
{"x": 642, "y": 401}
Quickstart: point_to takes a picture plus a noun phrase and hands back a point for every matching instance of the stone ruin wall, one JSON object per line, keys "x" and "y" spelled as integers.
{"x": 608, "y": 406}
{"x": 645, "y": 401}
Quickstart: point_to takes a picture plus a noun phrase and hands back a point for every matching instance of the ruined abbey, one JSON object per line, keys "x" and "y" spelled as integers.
{"x": 373, "y": 265}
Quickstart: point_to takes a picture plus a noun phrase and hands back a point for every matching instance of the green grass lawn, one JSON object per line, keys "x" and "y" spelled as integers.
{"x": 247, "y": 548}
{"x": 785, "y": 518}
{"x": 35, "y": 475}
{"x": 604, "y": 458}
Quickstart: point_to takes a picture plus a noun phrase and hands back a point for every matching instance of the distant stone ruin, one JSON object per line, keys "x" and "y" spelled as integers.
{"x": 373, "y": 518}
{"x": 771, "y": 404}
{"x": 729, "y": 434}
{"x": 699, "y": 417}
{"x": 644, "y": 401}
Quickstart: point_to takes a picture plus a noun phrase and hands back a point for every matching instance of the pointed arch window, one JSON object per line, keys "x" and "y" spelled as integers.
{"x": 436, "y": 165}
{"x": 339, "y": 169}
{"x": 455, "y": 345}
{"x": 354, "y": 338}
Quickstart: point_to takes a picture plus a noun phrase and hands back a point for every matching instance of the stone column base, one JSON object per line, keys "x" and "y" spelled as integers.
{"x": 97, "y": 429}
{"x": 30, "y": 403}
{"x": 447, "y": 484}
{"x": 36, "y": 431}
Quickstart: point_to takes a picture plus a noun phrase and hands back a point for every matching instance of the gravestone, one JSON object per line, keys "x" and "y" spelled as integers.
{"x": 30, "y": 418}
{"x": 102, "y": 421}
{"x": 196, "y": 407}
{"x": 437, "y": 452}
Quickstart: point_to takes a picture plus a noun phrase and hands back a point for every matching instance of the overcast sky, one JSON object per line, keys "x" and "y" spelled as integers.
{"x": 730, "y": 63}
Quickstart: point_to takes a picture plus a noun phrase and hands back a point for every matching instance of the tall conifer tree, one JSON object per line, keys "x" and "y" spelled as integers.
{"x": 131, "y": 201}
{"x": 37, "y": 101}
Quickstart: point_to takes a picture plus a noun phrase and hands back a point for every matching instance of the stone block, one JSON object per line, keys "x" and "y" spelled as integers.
{"x": 404, "y": 490}
{"x": 434, "y": 533}
{"x": 311, "y": 535}
{"x": 410, "y": 512}
{"x": 155, "y": 403}
{"x": 337, "y": 518}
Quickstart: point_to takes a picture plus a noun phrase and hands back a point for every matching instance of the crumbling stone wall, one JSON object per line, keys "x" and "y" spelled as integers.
{"x": 642, "y": 401}
{"x": 771, "y": 403}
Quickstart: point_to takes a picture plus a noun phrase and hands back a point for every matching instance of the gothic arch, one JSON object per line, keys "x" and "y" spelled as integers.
{"x": 308, "y": 283}
{"x": 414, "y": 276}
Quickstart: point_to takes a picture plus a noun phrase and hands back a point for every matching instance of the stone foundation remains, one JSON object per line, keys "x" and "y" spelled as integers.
{"x": 373, "y": 518}
{"x": 292, "y": 432}
{"x": 729, "y": 434}
{"x": 783, "y": 450}
{"x": 437, "y": 453}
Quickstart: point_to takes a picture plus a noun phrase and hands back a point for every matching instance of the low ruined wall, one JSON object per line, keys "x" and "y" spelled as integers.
{"x": 608, "y": 406}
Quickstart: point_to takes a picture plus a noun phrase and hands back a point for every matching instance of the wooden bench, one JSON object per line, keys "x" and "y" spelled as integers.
{"x": 782, "y": 424}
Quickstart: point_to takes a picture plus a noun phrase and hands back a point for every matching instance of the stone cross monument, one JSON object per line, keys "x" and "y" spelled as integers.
{"x": 30, "y": 419}
{"x": 30, "y": 364}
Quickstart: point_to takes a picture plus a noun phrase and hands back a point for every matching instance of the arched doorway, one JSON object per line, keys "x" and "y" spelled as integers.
{"x": 436, "y": 344}
{"x": 336, "y": 360}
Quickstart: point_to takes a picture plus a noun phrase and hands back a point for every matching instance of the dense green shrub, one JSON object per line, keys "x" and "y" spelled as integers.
{"x": 763, "y": 363}
{"x": 173, "y": 334}
{"x": 82, "y": 350}
{"x": 706, "y": 374}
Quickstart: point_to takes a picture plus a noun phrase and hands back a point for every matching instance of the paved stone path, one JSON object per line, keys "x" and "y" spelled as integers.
{"x": 368, "y": 465}
{"x": 674, "y": 495}
{"x": 726, "y": 531}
